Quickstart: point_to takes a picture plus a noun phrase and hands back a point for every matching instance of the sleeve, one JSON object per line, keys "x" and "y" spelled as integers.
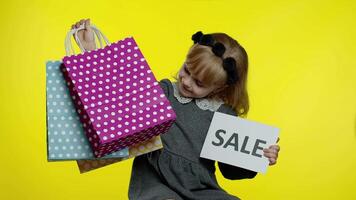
{"x": 234, "y": 173}
{"x": 229, "y": 171}
{"x": 164, "y": 83}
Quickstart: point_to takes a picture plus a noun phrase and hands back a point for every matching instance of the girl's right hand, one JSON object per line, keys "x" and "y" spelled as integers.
{"x": 86, "y": 36}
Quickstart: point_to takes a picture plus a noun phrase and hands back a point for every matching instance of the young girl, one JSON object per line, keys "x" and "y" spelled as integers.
{"x": 212, "y": 78}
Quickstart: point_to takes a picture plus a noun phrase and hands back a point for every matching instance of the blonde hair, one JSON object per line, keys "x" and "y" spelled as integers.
{"x": 202, "y": 62}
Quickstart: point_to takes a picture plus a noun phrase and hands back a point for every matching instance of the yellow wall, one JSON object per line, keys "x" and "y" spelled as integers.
{"x": 302, "y": 79}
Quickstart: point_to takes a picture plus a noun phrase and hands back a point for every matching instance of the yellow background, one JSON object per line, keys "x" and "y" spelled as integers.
{"x": 302, "y": 79}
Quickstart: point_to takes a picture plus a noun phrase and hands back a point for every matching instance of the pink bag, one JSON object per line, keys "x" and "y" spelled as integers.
{"x": 119, "y": 100}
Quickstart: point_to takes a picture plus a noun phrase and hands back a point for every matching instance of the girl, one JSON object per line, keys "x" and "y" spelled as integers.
{"x": 212, "y": 78}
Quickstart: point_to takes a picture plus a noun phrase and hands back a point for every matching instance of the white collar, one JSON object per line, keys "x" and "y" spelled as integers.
{"x": 202, "y": 103}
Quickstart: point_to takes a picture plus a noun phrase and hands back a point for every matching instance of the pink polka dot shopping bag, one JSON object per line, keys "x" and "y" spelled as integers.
{"x": 119, "y": 103}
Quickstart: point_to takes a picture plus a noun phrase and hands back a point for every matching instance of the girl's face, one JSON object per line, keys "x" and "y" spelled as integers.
{"x": 191, "y": 86}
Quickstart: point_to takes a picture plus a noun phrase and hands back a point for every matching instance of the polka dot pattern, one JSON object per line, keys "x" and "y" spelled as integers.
{"x": 66, "y": 139}
{"x": 137, "y": 149}
{"x": 118, "y": 97}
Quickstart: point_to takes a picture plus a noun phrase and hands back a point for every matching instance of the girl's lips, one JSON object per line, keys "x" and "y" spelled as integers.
{"x": 185, "y": 89}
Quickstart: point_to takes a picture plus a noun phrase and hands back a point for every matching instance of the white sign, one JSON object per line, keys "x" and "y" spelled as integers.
{"x": 238, "y": 142}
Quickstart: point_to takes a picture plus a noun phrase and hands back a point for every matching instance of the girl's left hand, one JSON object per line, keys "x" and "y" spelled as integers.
{"x": 272, "y": 153}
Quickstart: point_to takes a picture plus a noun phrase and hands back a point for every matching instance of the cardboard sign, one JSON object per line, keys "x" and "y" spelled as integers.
{"x": 238, "y": 142}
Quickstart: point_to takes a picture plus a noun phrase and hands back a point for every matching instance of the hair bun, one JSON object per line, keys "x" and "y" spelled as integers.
{"x": 197, "y": 36}
{"x": 202, "y": 39}
{"x": 219, "y": 49}
{"x": 229, "y": 65}
{"x": 207, "y": 40}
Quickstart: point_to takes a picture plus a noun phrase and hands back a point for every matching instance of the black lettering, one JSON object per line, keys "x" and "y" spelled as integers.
{"x": 258, "y": 141}
{"x": 234, "y": 136}
{"x": 221, "y": 140}
{"x": 244, "y": 144}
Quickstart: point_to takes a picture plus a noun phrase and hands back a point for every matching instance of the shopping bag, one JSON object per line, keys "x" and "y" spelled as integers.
{"x": 137, "y": 149}
{"x": 119, "y": 100}
{"x": 66, "y": 139}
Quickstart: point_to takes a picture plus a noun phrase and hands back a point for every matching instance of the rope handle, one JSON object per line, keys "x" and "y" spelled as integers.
{"x": 68, "y": 43}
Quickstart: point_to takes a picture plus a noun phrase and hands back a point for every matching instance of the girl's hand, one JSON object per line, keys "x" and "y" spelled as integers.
{"x": 86, "y": 36}
{"x": 272, "y": 153}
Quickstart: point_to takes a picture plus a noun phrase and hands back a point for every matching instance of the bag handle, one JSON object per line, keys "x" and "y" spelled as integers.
{"x": 68, "y": 44}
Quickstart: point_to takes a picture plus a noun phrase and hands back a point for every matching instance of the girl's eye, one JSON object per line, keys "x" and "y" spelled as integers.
{"x": 199, "y": 84}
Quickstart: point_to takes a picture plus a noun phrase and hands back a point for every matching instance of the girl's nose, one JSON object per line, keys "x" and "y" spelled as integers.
{"x": 186, "y": 82}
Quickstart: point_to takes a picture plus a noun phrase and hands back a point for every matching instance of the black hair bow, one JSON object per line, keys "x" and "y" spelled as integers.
{"x": 218, "y": 49}
{"x": 208, "y": 40}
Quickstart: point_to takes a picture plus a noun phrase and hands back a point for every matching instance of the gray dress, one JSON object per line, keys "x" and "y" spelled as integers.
{"x": 176, "y": 171}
